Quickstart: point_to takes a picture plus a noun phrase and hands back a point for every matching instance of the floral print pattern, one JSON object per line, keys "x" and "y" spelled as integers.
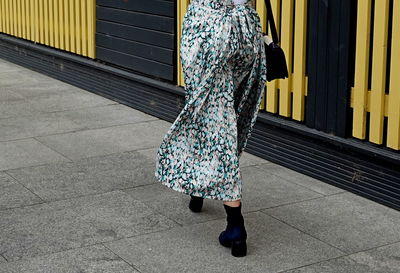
{"x": 223, "y": 59}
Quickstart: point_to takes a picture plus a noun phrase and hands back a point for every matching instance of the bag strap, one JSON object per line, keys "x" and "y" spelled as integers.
{"x": 271, "y": 21}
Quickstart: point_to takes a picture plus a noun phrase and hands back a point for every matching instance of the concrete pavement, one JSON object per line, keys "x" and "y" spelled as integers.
{"x": 78, "y": 194}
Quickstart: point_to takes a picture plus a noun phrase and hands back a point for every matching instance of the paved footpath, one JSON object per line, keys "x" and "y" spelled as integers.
{"x": 77, "y": 194}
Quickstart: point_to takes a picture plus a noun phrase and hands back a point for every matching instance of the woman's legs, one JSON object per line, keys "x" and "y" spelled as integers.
{"x": 234, "y": 204}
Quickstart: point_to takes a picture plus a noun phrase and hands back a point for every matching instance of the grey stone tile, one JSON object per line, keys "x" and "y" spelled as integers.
{"x": 261, "y": 190}
{"x": 116, "y": 215}
{"x": 68, "y": 101}
{"x": 345, "y": 220}
{"x": 272, "y": 246}
{"x": 87, "y": 176}
{"x": 74, "y": 223}
{"x": 17, "y": 108}
{"x": 36, "y": 125}
{"x": 8, "y": 96}
{"x": 14, "y": 195}
{"x": 6, "y": 66}
{"x": 108, "y": 140}
{"x": 301, "y": 179}
{"x": 103, "y": 116}
{"x": 248, "y": 159}
{"x": 174, "y": 205}
{"x": 384, "y": 259}
{"x": 2, "y": 260}
{"x": 92, "y": 259}
{"x": 26, "y": 152}
{"x": 40, "y": 229}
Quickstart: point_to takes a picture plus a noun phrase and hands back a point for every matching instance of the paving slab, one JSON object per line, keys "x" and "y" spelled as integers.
{"x": 10, "y": 67}
{"x": 87, "y": 176}
{"x": 273, "y": 246}
{"x": 26, "y": 152}
{"x": 384, "y": 259}
{"x": 104, "y": 116}
{"x": 2, "y": 260}
{"x": 13, "y": 195}
{"x": 16, "y": 108}
{"x": 48, "y": 228}
{"x": 347, "y": 221}
{"x": 116, "y": 214}
{"x": 248, "y": 159}
{"x": 9, "y": 96}
{"x": 262, "y": 190}
{"x": 39, "y": 229}
{"x": 174, "y": 205}
{"x": 301, "y": 179}
{"x": 92, "y": 259}
{"x": 36, "y": 125}
{"x": 108, "y": 140}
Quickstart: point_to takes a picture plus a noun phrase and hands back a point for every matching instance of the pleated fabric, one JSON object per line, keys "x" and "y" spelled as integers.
{"x": 223, "y": 59}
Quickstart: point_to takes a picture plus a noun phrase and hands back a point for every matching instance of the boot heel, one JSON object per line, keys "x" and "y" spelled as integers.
{"x": 239, "y": 248}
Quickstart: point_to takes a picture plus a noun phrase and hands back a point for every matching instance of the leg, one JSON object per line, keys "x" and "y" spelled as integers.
{"x": 235, "y": 234}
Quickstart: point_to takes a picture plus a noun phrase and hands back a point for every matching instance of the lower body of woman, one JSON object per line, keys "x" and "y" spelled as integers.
{"x": 223, "y": 59}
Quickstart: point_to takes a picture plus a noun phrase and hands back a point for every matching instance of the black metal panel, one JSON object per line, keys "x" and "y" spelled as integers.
{"x": 364, "y": 169}
{"x": 160, "y": 7}
{"x": 155, "y": 53}
{"x": 327, "y": 105}
{"x": 136, "y": 19}
{"x": 145, "y": 66}
{"x": 138, "y": 35}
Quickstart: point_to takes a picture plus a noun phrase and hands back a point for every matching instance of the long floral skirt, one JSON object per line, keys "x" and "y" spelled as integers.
{"x": 223, "y": 59}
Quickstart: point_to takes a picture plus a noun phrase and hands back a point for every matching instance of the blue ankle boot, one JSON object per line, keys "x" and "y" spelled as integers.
{"x": 235, "y": 234}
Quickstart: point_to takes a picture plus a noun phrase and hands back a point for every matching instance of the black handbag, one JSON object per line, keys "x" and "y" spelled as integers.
{"x": 276, "y": 60}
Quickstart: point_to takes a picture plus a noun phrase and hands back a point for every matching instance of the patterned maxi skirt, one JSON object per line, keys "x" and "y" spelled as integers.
{"x": 223, "y": 60}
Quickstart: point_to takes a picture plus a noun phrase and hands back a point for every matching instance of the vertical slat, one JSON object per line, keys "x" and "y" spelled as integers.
{"x": 182, "y": 6}
{"x": 51, "y": 22}
{"x": 23, "y": 19}
{"x": 56, "y": 19}
{"x": 33, "y": 19}
{"x": 300, "y": 42}
{"x": 3, "y": 16}
{"x": 379, "y": 61}
{"x": 14, "y": 18}
{"x": 286, "y": 41}
{"x": 91, "y": 28}
{"x": 394, "y": 93}
{"x": 19, "y": 19}
{"x": 72, "y": 25}
{"x": 78, "y": 27}
{"x": 84, "y": 28}
{"x": 7, "y": 16}
{"x": 361, "y": 74}
{"x": 28, "y": 19}
{"x": 66, "y": 25}
{"x": 46, "y": 21}
{"x": 272, "y": 87}
{"x": 41, "y": 22}
{"x": 61, "y": 21}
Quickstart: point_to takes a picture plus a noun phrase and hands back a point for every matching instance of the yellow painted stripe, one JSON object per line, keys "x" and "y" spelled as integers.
{"x": 394, "y": 93}
{"x": 379, "y": 61}
{"x": 272, "y": 87}
{"x": 361, "y": 68}
{"x": 300, "y": 50}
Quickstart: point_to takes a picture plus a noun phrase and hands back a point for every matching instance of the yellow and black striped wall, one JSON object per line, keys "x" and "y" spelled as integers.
{"x": 336, "y": 118}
